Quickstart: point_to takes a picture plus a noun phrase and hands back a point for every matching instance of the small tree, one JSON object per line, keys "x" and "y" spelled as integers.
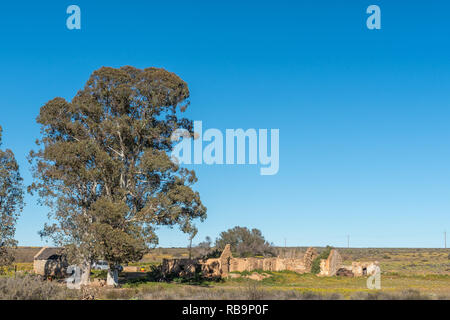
{"x": 245, "y": 242}
{"x": 11, "y": 203}
{"x": 204, "y": 248}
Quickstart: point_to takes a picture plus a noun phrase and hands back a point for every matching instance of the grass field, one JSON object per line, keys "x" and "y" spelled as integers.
{"x": 407, "y": 273}
{"x": 288, "y": 285}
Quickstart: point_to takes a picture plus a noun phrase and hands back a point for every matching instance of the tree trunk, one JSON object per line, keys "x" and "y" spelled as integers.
{"x": 113, "y": 277}
{"x": 85, "y": 273}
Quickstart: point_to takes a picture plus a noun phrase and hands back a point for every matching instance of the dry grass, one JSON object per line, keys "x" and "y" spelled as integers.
{"x": 32, "y": 288}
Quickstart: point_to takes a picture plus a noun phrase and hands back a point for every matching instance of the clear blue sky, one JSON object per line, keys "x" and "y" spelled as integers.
{"x": 364, "y": 115}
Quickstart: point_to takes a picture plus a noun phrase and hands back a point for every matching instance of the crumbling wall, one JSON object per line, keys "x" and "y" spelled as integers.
{"x": 224, "y": 260}
{"x": 310, "y": 255}
{"x": 226, "y": 263}
{"x": 211, "y": 268}
{"x": 331, "y": 265}
{"x": 222, "y": 266}
{"x": 50, "y": 268}
{"x": 361, "y": 269}
{"x": 180, "y": 267}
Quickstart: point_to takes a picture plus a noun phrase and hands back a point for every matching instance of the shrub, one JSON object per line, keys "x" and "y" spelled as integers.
{"x": 32, "y": 288}
{"x": 253, "y": 291}
{"x": 120, "y": 294}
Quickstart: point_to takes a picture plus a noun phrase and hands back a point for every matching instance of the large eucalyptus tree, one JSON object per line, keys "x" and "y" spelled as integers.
{"x": 103, "y": 166}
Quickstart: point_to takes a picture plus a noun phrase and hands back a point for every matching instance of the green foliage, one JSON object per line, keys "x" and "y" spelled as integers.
{"x": 11, "y": 203}
{"x": 99, "y": 274}
{"x": 248, "y": 273}
{"x": 315, "y": 267}
{"x": 156, "y": 275}
{"x": 245, "y": 242}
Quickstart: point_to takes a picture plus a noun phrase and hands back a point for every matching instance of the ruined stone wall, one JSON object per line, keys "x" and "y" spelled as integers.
{"x": 267, "y": 264}
{"x": 180, "y": 267}
{"x": 39, "y": 267}
{"x": 212, "y": 268}
{"x": 50, "y": 268}
{"x": 226, "y": 263}
{"x": 222, "y": 266}
{"x": 225, "y": 260}
{"x": 310, "y": 255}
{"x": 361, "y": 269}
{"x": 331, "y": 265}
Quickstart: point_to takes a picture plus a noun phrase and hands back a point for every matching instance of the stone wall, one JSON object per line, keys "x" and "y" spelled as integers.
{"x": 226, "y": 263}
{"x": 361, "y": 269}
{"x": 309, "y": 257}
{"x": 331, "y": 265}
{"x": 230, "y": 264}
{"x": 267, "y": 264}
{"x": 50, "y": 268}
{"x": 180, "y": 267}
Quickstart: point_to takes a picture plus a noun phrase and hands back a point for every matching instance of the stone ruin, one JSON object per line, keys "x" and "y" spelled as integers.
{"x": 332, "y": 266}
{"x": 361, "y": 269}
{"x": 224, "y": 265}
{"x": 50, "y": 262}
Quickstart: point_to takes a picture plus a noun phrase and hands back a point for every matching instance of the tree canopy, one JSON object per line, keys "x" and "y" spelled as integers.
{"x": 245, "y": 242}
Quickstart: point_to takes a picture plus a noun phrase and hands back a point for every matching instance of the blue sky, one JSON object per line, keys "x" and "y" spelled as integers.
{"x": 363, "y": 114}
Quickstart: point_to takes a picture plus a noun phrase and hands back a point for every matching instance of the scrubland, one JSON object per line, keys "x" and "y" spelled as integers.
{"x": 406, "y": 274}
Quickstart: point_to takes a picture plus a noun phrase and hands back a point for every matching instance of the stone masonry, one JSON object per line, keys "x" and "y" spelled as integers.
{"x": 224, "y": 265}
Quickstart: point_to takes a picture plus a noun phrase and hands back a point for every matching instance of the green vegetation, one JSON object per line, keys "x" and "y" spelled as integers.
{"x": 315, "y": 267}
{"x": 11, "y": 203}
{"x": 290, "y": 285}
{"x": 245, "y": 242}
